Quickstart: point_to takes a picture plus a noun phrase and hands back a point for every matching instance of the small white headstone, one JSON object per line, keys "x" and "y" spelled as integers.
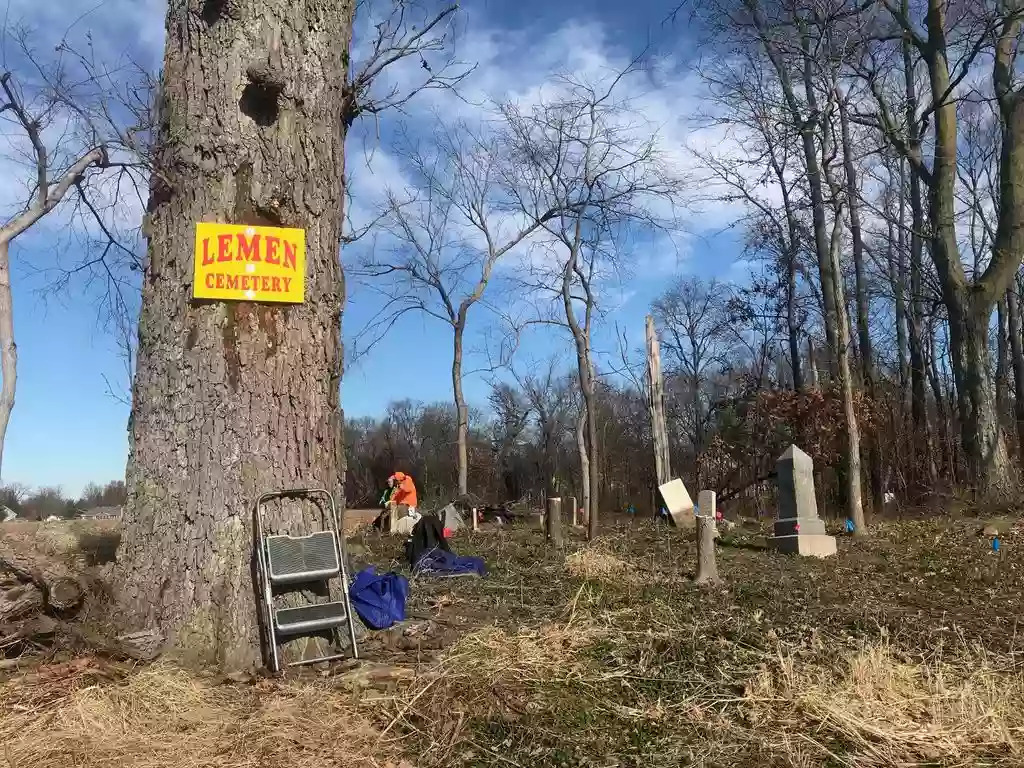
{"x": 678, "y": 503}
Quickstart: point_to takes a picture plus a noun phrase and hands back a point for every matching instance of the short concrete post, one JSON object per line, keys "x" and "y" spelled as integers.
{"x": 707, "y": 566}
{"x": 476, "y": 523}
{"x": 575, "y": 511}
{"x": 554, "y": 521}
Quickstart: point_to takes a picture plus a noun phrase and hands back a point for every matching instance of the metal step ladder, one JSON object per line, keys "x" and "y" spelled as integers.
{"x": 284, "y": 561}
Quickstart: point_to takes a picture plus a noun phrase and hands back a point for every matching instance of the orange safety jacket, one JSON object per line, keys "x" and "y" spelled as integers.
{"x": 405, "y": 493}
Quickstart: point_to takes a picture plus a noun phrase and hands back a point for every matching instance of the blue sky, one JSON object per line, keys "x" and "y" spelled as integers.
{"x": 67, "y": 429}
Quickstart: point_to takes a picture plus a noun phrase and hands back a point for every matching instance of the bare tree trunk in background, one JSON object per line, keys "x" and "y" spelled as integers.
{"x": 461, "y": 409}
{"x": 899, "y": 284}
{"x": 581, "y": 447}
{"x": 1002, "y": 362}
{"x": 867, "y": 356}
{"x": 812, "y": 364}
{"x": 854, "y": 503}
{"x": 1017, "y": 358}
{"x": 944, "y": 427}
{"x": 234, "y": 399}
{"x": 8, "y": 349}
{"x": 792, "y": 324}
{"x": 921, "y": 445}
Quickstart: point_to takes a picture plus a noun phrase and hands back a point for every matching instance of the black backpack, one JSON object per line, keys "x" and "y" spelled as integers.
{"x": 427, "y": 534}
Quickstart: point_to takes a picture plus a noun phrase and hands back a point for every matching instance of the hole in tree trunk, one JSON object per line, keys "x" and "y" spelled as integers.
{"x": 213, "y": 11}
{"x": 260, "y": 102}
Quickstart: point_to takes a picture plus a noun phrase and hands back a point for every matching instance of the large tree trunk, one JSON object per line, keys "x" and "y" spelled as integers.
{"x": 234, "y": 399}
{"x": 8, "y": 349}
{"x": 461, "y": 412}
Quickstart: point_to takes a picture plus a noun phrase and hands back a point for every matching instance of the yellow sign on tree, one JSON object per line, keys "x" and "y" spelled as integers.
{"x": 244, "y": 263}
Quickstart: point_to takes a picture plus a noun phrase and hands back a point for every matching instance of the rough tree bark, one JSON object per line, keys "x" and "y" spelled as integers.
{"x": 233, "y": 399}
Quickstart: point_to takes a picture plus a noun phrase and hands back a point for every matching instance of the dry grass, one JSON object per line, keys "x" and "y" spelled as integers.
{"x": 599, "y": 561}
{"x": 961, "y": 708}
{"x": 606, "y": 656}
{"x": 162, "y": 717}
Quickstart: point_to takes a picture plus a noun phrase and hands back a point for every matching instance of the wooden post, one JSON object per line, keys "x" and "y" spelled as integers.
{"x": 707, "y": 567}
{"x": 554, "y": 521}
{"x": 575, "y": 511}
{"x": 656, "y": 406}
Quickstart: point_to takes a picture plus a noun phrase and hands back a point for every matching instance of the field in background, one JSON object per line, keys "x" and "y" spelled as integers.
{"x": 96, "y": 540}
{"x": 902, "y": 650}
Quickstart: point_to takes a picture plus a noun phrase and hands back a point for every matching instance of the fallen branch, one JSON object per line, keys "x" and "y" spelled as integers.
{"x": 20, "y": 601}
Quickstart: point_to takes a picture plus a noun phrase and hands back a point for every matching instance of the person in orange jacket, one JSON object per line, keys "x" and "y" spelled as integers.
{"x": 405, "y": 493}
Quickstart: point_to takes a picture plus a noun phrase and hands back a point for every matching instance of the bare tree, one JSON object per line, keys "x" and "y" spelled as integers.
{"x": 584, "y": 153}
{"x": 448, "y": 239}
{"x": 549, "y": 393}
{"x": 65, "y": 151}
{"x": 693, "y": 319}
{"x": 952, "y": 47}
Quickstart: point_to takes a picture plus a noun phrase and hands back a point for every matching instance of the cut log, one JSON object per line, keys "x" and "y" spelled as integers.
{"x": 62, "y": 590}
{"x": 20, "y": 601}
{"x": 138, "y": 646}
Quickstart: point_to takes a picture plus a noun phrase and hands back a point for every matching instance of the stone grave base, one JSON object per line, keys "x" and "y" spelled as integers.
{"x": 805, "y": 545}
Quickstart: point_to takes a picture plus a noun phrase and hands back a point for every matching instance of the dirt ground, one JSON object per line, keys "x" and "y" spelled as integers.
{"x": 901, "y": 651}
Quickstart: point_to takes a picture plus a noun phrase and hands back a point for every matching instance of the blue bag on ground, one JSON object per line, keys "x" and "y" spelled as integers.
{"x": 439, "y": 562}
{"x": 379, "y": 599}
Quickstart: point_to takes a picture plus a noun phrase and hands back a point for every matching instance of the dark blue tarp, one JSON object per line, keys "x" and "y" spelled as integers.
{"x": 440, "y": 562}
{"x": 379, "y": 599}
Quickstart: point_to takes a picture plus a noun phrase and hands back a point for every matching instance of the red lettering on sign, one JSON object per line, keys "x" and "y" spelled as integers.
{"x": 224, "y": 247}
{"x": 289, "y": 254}
{"x": 276, "y": 281}
{"x": 209, "y": 280}
{"x": 231, "y": 282}
{"x": 220, "y": 281}
{"x": 248, "y": 248}
{"x": 272, "y": 257}
{"x": 287, "y": 284}
{"x": 207, "y": 256}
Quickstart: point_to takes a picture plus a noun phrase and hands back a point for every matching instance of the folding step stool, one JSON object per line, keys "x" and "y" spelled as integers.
{"x": 288, "y": 561}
